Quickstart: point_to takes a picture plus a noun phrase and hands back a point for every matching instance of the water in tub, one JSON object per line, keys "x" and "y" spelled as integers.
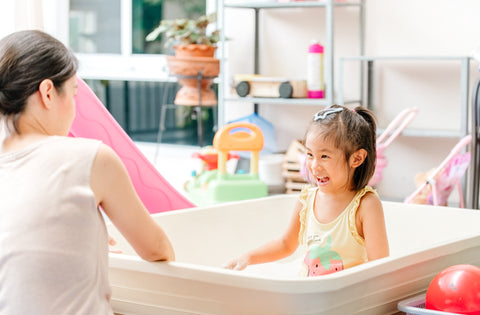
{"x": 288, "y": 267}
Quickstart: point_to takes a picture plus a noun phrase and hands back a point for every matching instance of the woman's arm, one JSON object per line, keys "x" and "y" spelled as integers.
{"x": 115, "y": 193}
{"x": 273, "y": 250}
{"x": 371, "y": 225}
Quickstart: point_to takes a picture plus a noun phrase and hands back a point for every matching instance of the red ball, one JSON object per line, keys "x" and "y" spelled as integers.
{"x": 455, "y": 289}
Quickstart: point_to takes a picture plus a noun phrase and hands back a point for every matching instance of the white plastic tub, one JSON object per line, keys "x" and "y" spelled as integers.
{"x": 423, "y": 239}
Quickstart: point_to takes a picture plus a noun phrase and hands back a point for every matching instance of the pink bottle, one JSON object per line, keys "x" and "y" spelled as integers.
{"x": 315, "y": 84}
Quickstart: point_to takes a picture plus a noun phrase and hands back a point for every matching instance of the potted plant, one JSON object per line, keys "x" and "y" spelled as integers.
{"x": 194, "y": 54}
{"x": 185, "y": 32}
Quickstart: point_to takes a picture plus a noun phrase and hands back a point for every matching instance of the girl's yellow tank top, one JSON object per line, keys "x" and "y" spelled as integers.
{"x": 332, "y": 246}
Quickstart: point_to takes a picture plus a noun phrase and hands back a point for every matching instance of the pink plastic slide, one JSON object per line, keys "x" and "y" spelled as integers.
{"x": 93, "y": 120}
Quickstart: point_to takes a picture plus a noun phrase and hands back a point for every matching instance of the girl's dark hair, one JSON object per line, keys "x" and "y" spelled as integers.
{"x": 350, "y": 130}
{"x": 26, "y": 59}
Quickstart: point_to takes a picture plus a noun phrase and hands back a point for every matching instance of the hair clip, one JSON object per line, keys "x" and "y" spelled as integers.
{"x": 325, "y": 112}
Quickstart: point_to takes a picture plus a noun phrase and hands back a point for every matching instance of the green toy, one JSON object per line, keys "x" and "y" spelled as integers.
{"x": 216, "y": 186}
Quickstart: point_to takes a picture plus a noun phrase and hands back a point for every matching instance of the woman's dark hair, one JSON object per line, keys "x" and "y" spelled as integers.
{"x": 26, "y": 59}
{"x": 350, "y": 130}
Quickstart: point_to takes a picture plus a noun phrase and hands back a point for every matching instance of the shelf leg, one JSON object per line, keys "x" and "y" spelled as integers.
{"x": 370, "y": 87}
{"x": 198, "y": 110}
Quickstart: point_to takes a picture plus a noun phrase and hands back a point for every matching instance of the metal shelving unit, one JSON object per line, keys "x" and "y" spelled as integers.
{"x": 328, "y": 6}
{"x": 367, "y": 89}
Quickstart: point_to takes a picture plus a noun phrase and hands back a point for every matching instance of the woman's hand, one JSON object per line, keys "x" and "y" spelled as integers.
{"x": 115, "y": 193}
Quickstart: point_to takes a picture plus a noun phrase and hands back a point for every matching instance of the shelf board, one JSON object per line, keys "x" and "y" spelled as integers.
{"x": 430, "y": 133}
{"x": 406, "y": 58}
{"x": 293, "y": 4}
{"x": 279, "y": 101}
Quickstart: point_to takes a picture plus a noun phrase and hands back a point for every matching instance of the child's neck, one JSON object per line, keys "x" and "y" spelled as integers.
{"x": 328, "y": 206}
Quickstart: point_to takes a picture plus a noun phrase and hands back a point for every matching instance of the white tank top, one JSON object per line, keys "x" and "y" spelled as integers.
{"x": 53, "y": 240}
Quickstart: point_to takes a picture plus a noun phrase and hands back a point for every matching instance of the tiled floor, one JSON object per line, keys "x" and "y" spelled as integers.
{"x": 174, "y": 162}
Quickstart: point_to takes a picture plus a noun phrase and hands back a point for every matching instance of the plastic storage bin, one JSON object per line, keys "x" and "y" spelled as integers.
{"x": 424, "y": 240}
{"x": 416, "y": 306}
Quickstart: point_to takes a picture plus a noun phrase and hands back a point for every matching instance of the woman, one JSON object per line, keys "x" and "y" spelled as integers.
{"x": 53, "y": 240}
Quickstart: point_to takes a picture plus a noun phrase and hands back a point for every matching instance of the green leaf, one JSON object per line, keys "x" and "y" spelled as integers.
{"x": 187, "y": 31}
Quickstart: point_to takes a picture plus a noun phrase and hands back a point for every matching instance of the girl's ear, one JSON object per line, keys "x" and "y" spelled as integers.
{"x": 46, "y": 89}
{"x": 357, "y": 158}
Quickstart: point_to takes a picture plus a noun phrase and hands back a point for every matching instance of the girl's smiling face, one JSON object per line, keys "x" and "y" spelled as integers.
{"x": 327, "y": 165}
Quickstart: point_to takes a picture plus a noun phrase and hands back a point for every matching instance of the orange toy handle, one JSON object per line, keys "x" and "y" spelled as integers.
{"x": 234, "y": 137}
{"x": 238, "y": 136}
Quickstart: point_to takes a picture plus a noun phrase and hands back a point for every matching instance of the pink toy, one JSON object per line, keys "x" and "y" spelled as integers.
{"x": 92, "y": 120}
{"x": 386, "y": 138}
{"x": 444, "y": 178}
{"x": 315, "y": 84}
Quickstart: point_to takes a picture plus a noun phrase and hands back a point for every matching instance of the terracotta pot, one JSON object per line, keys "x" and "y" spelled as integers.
{"x": 194, "y": 50}
{"x": 189, "y": 60}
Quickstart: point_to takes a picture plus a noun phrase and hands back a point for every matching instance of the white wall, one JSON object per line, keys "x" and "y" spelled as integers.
{"x": 393, "y": 28}
{"x": 7, "y": 19}
{"x": 50, "y": 16}
{"x": 409, "y": 27}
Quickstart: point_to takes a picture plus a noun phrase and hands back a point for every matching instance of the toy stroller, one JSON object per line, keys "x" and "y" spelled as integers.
{"x": 386, "y": 138}
{"x": 440, "y": 183}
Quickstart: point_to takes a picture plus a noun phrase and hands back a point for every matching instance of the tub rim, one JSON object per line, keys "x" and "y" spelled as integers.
{"x": 336, "y": 281}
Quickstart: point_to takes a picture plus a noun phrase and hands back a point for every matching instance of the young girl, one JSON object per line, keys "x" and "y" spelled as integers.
{"x": 340, "y": 220}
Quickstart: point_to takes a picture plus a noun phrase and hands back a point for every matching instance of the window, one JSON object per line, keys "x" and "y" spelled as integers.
{"x": 146, "y": 14}
{"x": 109, "y": 35}
{"x": 95, "y": 26}
{"x": 138, "y": 106}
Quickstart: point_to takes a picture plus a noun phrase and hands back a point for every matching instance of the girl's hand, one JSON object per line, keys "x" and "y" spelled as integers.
{"x": 237, "y": 263}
